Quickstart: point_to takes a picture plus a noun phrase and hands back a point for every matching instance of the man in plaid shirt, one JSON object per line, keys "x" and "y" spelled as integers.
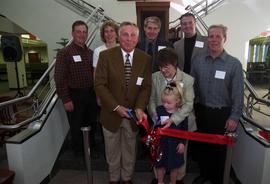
{"x": 74, "y": 84}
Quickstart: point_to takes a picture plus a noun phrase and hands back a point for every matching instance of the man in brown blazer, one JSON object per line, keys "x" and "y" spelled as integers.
{"x": 120, "y": 89}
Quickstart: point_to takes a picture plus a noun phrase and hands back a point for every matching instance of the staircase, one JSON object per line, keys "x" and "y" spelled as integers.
{"x": 200, "y": 10}
{"x": 6, "y": 176}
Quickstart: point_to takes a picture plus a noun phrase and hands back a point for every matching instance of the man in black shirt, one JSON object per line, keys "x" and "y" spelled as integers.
{"x": 191, "y": 45}
{"x": 187, "y": 49}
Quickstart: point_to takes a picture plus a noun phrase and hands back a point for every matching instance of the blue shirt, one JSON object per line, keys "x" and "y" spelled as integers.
{"x": 219, "y": 82}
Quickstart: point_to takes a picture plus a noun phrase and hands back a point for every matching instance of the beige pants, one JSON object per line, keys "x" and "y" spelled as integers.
{"x": 120, "y": 148}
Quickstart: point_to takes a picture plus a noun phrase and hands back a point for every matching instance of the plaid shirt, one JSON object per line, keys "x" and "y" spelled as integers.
{"x": 73, "y": 70}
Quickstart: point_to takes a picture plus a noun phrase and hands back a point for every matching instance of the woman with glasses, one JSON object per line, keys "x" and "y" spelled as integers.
{"x": 167, "y": 61}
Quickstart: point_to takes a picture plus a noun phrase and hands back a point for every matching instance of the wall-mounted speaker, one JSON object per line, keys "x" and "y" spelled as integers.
{"x": 11, "y": 48}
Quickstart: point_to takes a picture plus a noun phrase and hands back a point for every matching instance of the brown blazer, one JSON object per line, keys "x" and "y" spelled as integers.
{"x": 111, "y": 88}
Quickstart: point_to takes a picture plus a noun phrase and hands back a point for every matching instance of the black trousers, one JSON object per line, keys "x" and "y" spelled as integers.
{"x": 211, "y": 157}
{"x": 84, "y": 114}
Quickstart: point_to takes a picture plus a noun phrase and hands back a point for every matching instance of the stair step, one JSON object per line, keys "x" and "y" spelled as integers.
{"x": 6, "y": 176}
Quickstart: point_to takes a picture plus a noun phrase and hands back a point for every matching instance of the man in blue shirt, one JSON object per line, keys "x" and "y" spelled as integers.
{"x": 219, "y": 91}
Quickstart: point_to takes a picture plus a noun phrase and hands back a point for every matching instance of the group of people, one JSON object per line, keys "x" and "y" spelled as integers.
{"x": 155, "y": 80}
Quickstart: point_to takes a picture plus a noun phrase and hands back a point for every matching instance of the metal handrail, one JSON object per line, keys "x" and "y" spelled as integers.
{"x": 83, "y": 8}
{"x": 34, "y": 118}
{"x": 248, "y": 125}
{"x": 52, "y": 92}
{"x": 198, "y": 17}
{"x": 33, "y": 90}
{"x": 254, "y": 123}
{"x": 206, "y": 9}
{"x": 254, "y": 93}
{"x": 45, "y": 74}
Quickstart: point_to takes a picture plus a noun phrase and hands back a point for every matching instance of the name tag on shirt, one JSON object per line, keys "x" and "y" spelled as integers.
{"x": 199, "y": 44}
{"x": 139, "y": 81}
{"x": 220, "y": 74}
{"x": 77, "y": 58}
{"x": 163, "y": 118}
{"x": 161, "y": 47}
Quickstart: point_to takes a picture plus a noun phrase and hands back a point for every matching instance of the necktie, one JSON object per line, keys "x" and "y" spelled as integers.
{"x": 150, "y": 49}
{"x": 127, "y": 69}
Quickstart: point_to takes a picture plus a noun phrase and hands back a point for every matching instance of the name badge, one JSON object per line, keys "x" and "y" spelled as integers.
{"x": 161, "y": 47}
{"x": 163, "y": 118}
{"x": 220, "y": 74}
{"x": 181, "y": 84}
{"x": 139, "y": 81}
{"x": 77, "y": 58}
{"x": 199, "y": 44}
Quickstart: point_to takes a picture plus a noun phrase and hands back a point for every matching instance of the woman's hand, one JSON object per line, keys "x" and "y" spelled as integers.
{"x": 167, "y": 123}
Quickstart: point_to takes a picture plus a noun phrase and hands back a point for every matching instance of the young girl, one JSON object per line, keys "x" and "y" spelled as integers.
{"x": 172, "y": 148}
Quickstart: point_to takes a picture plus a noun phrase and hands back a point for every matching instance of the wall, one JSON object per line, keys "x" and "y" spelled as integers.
{"x": 42, "y": 53}
{"x": 48, "y": 20}
{"x": 51, "y": 21}
{"x": 245, "y": 19}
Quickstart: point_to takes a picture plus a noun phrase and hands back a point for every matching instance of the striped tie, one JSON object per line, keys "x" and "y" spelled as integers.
{"x": 127, "y": 69}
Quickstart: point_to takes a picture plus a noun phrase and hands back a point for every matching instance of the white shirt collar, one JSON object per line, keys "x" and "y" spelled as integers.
{"x": 130, "y": 55}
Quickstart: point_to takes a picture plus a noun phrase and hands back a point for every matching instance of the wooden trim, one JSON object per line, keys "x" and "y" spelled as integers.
{"x": 160, "y": 9}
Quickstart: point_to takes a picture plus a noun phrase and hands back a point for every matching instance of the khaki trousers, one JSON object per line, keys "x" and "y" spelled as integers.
{"x": 120, "y": 149}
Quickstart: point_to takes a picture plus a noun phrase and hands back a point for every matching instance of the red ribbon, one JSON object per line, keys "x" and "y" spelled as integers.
{"x": 152, "y": 138}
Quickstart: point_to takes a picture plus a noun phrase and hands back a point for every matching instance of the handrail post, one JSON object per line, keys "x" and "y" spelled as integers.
{"x": 87, "y": 153}
{"x": 228, "y": 161}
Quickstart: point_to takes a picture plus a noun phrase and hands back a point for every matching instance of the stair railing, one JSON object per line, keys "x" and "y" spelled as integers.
{"x": 200, "y": 10}
{"x": 32, "y": 106}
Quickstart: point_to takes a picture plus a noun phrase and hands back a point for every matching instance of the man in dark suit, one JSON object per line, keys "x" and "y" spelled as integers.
{"x": 152, "y": 44}
{"x": 123, "y": 82}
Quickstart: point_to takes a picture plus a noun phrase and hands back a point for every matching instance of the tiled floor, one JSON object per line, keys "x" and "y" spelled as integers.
{"x": 70, "y": 169}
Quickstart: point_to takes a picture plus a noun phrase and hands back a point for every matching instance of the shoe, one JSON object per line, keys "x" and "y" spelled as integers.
{"x": 154, "y": 181}
{"x": 199, "y": 180}
{"x": 127, "y": 182}
{"x": 179, "y": 182}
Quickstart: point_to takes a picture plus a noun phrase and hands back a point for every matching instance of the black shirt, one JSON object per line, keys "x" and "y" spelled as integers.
{"x": 189, "y": 45}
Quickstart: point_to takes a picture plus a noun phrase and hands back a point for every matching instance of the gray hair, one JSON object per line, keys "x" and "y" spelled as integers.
{"x": 128, "y": 24}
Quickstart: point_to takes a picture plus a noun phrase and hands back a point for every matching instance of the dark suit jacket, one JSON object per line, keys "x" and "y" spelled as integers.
{"x": 142, "y": 45}
{"x": 180, "y": 50}
{"x": 111, "y": 87}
